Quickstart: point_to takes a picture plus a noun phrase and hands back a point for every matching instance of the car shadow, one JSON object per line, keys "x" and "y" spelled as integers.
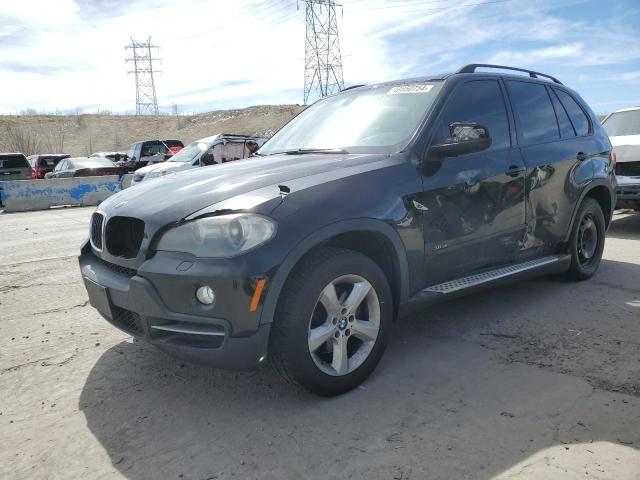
{"x": 625, "y": 225}
{"x": 451, "y": 398}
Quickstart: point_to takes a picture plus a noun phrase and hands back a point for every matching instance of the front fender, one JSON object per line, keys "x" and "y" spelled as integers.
{"x": 323, "y": 234}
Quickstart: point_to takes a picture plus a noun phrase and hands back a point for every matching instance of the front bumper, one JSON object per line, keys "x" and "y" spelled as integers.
{"x": 131, "y": 301}
{"x": 628, "y": 192}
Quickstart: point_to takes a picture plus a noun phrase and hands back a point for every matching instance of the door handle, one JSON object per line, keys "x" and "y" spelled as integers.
{"x": 581, "y": 156}
{"x": 515, "y": 170}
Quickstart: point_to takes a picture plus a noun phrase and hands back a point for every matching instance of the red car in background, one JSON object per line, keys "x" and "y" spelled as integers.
{"x": 173, "y": 146}
{"x": 44, "y": 163}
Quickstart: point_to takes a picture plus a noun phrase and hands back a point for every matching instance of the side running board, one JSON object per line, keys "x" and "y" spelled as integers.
{"x": 485, "y": 277}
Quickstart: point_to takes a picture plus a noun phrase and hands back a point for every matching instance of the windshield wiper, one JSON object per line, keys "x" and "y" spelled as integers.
{"x": 303, "y": 151}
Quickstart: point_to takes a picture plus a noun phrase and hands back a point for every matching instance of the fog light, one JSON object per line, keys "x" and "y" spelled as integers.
{"x": 205, "y": 295}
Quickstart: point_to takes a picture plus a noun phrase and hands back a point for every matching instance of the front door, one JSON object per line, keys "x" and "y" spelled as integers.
{"x": 472, "y": 205}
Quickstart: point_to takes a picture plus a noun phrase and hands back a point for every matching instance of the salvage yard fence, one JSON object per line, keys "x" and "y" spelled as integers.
{"x": 24, "y": 195}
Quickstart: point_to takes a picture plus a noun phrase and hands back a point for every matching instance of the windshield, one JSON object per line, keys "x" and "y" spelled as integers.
{"x": 368, "y": 120}
{"x": 190, "y": 152}
{"x": 623, "y": 123}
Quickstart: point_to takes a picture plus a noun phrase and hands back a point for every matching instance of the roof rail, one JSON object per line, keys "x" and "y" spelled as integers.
{"x": 471, "y": 68}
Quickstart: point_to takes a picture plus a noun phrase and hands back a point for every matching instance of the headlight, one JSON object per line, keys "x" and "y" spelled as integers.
{"x": 215, "y": 237}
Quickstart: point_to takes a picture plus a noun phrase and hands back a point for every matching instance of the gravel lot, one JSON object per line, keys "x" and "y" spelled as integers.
{"x": 535, "y": 380}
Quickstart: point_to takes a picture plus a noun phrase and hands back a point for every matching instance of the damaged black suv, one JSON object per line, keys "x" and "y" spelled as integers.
{"x": 370, "y": 204}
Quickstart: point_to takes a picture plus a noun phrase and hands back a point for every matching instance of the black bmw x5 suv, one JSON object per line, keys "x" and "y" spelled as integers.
{"x": 370, "y": 204}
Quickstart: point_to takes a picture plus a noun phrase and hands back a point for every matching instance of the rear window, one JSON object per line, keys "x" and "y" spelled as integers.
{"x": 50, "y": 161}
{"x": 173, "y": 143}
{"x": 533, "y": 106}
{"x": 13, "y": 161}
{"x": 577, "y": 115}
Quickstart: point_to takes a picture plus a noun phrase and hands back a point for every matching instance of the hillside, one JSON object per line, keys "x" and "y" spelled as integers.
{"x": 80, "y": 135}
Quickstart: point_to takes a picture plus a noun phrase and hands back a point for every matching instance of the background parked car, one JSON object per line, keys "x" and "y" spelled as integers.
{"x": 174, "y": 146}
{"x": 44, "y": 163}
{"x": 623, "y": 128}
{"x": 85, "y": 167}
{"x": 141, "y": 154}
{"x": 219, "y": 148}
{"x": 14, "y": 166}
{"x": 114, "y": 156}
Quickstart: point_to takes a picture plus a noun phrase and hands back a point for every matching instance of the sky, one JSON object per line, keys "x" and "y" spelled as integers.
{"x": 69, "y": 55}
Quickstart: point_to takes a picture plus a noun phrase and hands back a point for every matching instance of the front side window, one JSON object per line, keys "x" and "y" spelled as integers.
{"x": 577, "y": 115}
{"x": 623, "y": 123}
{"x": 378, "y": 119}
{"x": 481, "y": 102}
{"x": 534, "y": 110}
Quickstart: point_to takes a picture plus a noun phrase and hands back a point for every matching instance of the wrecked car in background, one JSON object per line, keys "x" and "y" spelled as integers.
{"x": 44, "y": 163}
{"x": 213, "y": 150}
{"x": 85, "y": 167}
{"x": 141, "y": 154}
{"x": 623, "y": 128}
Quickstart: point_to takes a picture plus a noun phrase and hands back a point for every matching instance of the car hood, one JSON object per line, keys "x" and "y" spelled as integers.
{"x": 627, "y": 147}
{"x": 163, "y": 167}
{"x": 172, "y": 198}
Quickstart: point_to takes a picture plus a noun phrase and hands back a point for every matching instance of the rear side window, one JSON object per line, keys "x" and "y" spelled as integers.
{"x": 577, "y": 115}
{"x": 566, "y": 127}
{"x": 534, "y": 110}
{"x": 482, "y": 102}
{"x": 14, "y": 161}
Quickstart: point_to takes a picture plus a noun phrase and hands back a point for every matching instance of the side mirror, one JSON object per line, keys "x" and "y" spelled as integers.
{"x": 464, "y": 137}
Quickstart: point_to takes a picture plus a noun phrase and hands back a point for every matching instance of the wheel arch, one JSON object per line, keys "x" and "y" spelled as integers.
{"x": 601, "y": 191}
{"x": 392, "y": 257}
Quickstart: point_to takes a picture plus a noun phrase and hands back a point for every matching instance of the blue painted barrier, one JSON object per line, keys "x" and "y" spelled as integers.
{"x": 23, "y": 195}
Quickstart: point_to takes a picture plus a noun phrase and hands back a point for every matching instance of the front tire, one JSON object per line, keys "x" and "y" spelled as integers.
{"x": 586, "y": 243}
{"x": 332, "y": 322}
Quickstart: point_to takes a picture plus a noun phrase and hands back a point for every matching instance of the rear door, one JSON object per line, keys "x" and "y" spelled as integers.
{"x": 473, "y": 205}
{"x": 556, "y": 151}
{"x": 14, "y": 167}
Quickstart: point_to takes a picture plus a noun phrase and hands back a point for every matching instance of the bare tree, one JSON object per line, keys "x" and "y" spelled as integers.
{"x": 180, "y": 124}
{"x": 21, "y": 139}
{"x": 89, "y": 146}
{"x": 54, "y": 135}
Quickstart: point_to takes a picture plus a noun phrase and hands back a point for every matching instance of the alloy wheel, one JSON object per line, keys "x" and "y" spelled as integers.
{"x": 344, "y": 325}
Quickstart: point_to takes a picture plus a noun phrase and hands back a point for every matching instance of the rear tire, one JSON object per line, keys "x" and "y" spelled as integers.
{"x": 586, "y": 242}
{"x": 332, "y": 322}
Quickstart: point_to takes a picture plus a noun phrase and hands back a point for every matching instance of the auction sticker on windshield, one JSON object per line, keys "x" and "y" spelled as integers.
{"x": 413, "y": 88}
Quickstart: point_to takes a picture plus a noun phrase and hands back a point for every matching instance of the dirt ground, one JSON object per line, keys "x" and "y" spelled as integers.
{"x": 536, "y": 380}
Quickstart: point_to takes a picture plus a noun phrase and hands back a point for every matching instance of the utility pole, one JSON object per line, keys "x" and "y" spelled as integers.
{"x": 142, "y": 58}
{"x": 322, "y": 60}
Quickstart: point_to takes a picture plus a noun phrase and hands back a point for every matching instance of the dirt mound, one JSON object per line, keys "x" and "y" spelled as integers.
{"x": 84, "y": 134}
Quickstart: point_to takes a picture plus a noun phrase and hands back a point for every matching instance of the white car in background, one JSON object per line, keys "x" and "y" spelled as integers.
{"x": 623, "y": 128}
{"x": 114, "y": 156}
{"x": 213, "y": 150}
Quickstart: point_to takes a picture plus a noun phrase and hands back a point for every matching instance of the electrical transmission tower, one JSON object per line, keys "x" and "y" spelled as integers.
{"x": 322, "y": 61}
{"x": 146, "y": 101}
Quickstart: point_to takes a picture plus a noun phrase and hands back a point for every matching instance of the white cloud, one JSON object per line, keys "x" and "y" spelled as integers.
{"x": 63, "y": 54}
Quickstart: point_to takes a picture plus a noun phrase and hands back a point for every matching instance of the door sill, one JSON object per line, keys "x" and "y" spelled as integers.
{"x": 468, "y": 284}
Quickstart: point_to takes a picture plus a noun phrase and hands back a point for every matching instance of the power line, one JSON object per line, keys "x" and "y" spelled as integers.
{"x": 323, "y": 73}
{"x": 142, "y": 58}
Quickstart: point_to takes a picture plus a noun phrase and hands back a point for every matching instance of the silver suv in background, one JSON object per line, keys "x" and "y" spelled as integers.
{"x": 14, "y": 166}
{"x": 623, "y": 128}
{"x": 207, "y": 151}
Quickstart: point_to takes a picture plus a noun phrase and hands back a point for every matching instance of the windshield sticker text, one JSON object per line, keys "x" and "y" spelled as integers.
{"x": 414, "y": 88}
